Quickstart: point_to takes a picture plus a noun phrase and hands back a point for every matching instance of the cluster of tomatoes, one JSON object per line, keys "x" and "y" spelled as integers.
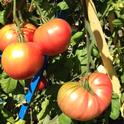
{"x": 21, "y": 60}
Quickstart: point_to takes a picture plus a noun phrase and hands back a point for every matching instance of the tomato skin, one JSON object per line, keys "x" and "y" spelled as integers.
{"x": 53, "y": 37}
{"x": 22, "y": 60}
{"x": 79, "y": 104}
{"x": 8, "y": 34}
{"x": 28, "y": 30}
{"x": 42, "y": 84}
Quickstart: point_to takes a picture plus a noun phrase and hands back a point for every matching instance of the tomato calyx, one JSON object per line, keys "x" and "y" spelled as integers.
{"x": 84, "y": 82}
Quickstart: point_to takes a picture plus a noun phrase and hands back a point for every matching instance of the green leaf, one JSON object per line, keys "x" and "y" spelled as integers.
{"x": 122, "y": 97}
{"x": 115, "y": 107}
{"x": 63, "y": 119}
{"x": 22, "y": 82}
{"x": 2, "y": 103}
{"x": 20, "y": 122}
{"x": 117, "y": 23}
{"x": 11, "y": 120}
{"x": 63, "y": 5}
{"x": 20, "y": 98}
{"x": 81, "y": 54}
{"x": 122, "y": 78}
{"x": 2, "y": 17}
{"x": 76, "y": 37}
{"x": 45, "y": 11}
{"x": 6, "y": 113}
{"x": 8, "y": 85}
{"x": 44, "y": 105}
{"x": 47, "y": 120}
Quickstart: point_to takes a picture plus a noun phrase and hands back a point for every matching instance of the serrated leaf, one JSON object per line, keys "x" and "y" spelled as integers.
{"x": 8, "y": 85}
{"x": 45, "y": 11}
{"x": 81, "y": 54}
{"x": 63, "y": 119}
{"x": 63, "y": 5}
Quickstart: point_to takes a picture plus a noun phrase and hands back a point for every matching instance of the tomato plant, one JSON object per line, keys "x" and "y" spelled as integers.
{"x": 8, "y": 34}
{"x": 53, "y": 37}
{"x": 22, "y": 60}
{"x": 84, "y": 104}
{"x": 85, "y": 53}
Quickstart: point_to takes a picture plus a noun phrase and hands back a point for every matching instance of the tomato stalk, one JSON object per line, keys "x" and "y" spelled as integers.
{"x": 85, "y": 84}
{"x": 31, "y": 6}
{"x": 88, "y": 38}
{"x": 43, "y": 19}
{"x": 18, "y": 23}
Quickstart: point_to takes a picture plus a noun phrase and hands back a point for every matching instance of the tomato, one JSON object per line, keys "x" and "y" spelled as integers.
{"x": 53, "y": 37}
{"x": 28, "y": 30}
{"x": 42, "y": 84}
{"x": 22, "y": 60}
{"x": 8, "y": 34}
{"x": 80, "y": 103}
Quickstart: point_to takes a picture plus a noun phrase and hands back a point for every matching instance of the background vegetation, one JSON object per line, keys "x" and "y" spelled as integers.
{"x": 81, "y": 57}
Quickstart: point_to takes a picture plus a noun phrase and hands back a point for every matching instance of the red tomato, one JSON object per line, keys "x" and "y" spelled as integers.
{"x": 9, "y": 35}
{"x": 42, "y": 84}
{"x": 22, "y": 60}
{"x": 53, "y": 37}
{"x": 28, "y": 30}
{"x": 81, "y": 104}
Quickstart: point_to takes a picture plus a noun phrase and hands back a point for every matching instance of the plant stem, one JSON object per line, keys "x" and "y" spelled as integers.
{"x": 18, "y": 23}
{"x": 31, "y": 5}
{"x": 43, "y": 19}
{"x": 88, "y": 36}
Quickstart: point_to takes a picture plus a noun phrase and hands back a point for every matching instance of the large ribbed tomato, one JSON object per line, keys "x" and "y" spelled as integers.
{"x": 53, "y": 37}
{"x": 81, "y": 104}
{"x": 22, "y": 60}
{"x": 8, "y": 34}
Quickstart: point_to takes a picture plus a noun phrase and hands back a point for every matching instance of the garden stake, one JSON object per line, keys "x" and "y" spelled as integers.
{"x": 102, "y": 45}
{"x": 31, "y": 90}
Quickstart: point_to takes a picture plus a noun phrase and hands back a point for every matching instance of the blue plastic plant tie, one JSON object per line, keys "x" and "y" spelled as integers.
{"x": 31, "y": 90}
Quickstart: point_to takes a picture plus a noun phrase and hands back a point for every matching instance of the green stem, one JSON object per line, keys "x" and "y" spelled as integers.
{"x": 84, "y": 82}
{"x": 20, "y": 17}
{"x": 31, "y": 5}
{"x": 18, "y": 23}
{"x": 89, "y": 36}
{"x": 43, "y": 19}
{"x": 90, "y": 43}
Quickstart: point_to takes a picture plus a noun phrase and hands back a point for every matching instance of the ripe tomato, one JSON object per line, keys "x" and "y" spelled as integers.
{"x": 9, "y": 35}
{"x": 53, "y": 37}
{"x": 28, "y": 30}
{"x": 81, "y": 104}
{"x": 42, "y": 84}
{"x": 22, "y": 60}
